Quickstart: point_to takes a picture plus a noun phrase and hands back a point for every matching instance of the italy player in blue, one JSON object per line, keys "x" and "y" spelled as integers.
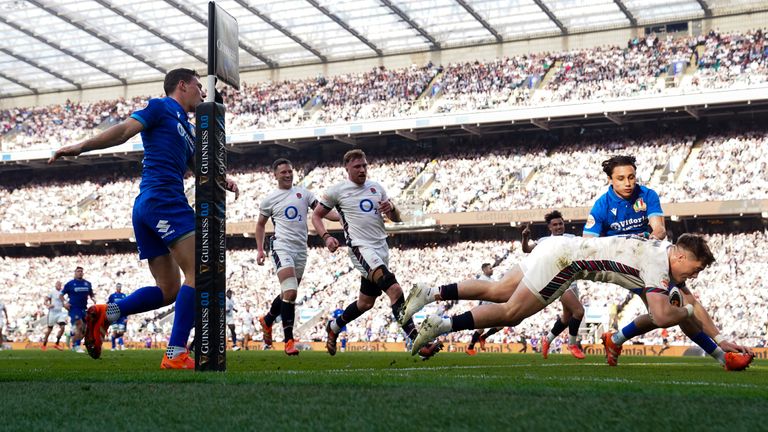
{"x": 77, "y": 290}
{"x": 163, "y": 221}
{"x": 631, "y": 209}
{"x": 118, "y": 327}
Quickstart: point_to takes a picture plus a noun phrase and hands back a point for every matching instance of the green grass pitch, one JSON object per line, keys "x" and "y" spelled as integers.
{"x": 379, "y": 392}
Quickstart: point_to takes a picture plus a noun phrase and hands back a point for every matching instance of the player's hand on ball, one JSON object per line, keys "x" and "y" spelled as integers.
{"x": 331, "y": 243}
{"x": 70, "y": 150}
{"x": 729, "y": 346}
{"x": 260, "y": 257}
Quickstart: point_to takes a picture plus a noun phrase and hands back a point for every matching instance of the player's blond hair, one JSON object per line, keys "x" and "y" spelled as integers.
{"x": 353, "y": 154}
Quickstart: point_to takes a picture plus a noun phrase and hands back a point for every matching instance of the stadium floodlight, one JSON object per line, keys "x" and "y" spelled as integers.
{"x": 210, "y": 195}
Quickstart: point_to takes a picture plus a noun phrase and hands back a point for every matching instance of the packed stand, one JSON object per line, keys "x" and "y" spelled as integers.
{"x": 731, "y": 60}
{"x": 640, "y": 68}
{"x": 376, "y": 94}
{"x": 55, "y": 125}
{"x": 479, "y": 85}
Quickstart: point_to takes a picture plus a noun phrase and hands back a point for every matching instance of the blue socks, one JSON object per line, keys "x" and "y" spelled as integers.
{"x": 184, "y": 318}
{"x": 705, "y": 342}
{"x": 142, "y": 300}
{"x": 628, "y": 332}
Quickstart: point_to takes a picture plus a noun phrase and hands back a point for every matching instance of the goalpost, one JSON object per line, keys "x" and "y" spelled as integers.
{"x": 210, "y": 195}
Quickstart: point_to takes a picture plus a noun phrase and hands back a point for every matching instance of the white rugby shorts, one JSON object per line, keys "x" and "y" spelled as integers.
{"x": 284, "y": 259}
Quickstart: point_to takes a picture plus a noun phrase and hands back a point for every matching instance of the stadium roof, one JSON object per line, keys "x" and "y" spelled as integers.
{"x": 55, "y": 45}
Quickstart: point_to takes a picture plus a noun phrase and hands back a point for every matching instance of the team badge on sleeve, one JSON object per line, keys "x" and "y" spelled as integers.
{"x": 373, "y": 190}
{"x": 590, "y": 221}
{"x": 639, "y": 205}
{"x": 298, "y": 195}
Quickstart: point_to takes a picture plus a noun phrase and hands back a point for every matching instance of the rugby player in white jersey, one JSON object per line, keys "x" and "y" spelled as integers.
{"x": 56, "y": 316}
{"x": 231, "y": 308}
{"x": 631, "y": 262}
{"x": 362, "y": 203}
{"x": 573, "y": 310}
{"x": 287, "y": 206}
{"x": 248, "y": 325}
{"x": 3, "y": 323}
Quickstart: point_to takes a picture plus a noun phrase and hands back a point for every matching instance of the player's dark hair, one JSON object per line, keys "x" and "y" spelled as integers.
{"x": 174, "y": 77}
{"x": 610, "y": 164}
{"x": 352, "y": 155}
{"x": 79, "y": 268}
{"x": 698, "y": 246}
{"x": 554, "y": 214}
{"x": 279, "y": 162}
{"x": 485, "y": 265}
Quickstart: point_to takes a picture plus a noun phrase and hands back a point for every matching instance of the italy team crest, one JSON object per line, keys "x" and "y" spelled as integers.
{"x": 639, "y": 205}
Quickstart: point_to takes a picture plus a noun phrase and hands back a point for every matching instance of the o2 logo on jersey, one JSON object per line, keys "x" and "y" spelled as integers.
{"x": 366, "y": 205}
{"x": 292, "y": 213}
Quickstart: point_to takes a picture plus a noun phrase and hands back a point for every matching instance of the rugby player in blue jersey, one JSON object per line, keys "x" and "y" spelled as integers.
{"x": 117, "y": 327}
{"x": 629, "y": 208}
{"x": 163, "y": 221}
{"x": 77, "y": 290}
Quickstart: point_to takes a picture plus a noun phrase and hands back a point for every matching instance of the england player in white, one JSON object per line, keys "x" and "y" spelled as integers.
{"x": 56, "y": 316}
{"x": 287, "y": 207}
{"x": 647, "y": 266}
{"x": 230, "y": 308}
{"x": 362, "y": 203}
{"x": 573, "y": 310}
{"x": 3, "y": 322}
{"x": 246, "y": 317}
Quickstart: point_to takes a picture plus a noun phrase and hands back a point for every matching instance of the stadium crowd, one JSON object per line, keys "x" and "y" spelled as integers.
{"x": 490, "y": 176}
{"x": 729, "y": 289}
{"x": 641, "y": 67}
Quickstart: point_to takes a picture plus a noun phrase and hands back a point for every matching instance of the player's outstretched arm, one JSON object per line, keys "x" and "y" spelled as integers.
{"x": 709, "y": 327}
{"x": 261, "y": 225}
{"x": 111, "y": 137}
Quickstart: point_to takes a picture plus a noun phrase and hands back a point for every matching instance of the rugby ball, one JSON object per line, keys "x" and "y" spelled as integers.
{"x": 675, "y": 297}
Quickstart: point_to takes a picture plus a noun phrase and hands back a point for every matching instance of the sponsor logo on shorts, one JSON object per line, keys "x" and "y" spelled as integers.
{"x": 164, "y": 228}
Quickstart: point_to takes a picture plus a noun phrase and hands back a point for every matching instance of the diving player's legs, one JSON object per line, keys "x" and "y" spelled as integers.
{"x": 521, "y": 305}
{"x": 471, "y": 289}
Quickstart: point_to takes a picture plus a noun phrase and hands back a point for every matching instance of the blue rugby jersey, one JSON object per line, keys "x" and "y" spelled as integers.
{"x": 613, "y": 215}
{"x": 78, "y": 291}
{"x": 114, "y": 297}
{"x": 169, "y": 145}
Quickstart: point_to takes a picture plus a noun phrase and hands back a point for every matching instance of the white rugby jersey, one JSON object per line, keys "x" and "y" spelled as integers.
{"x": 247, "y": 318}
{"x": 629, "y": 261}
{"x": 288, "y": 210}
{"x": 358, "y": 206}
{"x": 230, "y": 306}
{"x": 56, "y": 302}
